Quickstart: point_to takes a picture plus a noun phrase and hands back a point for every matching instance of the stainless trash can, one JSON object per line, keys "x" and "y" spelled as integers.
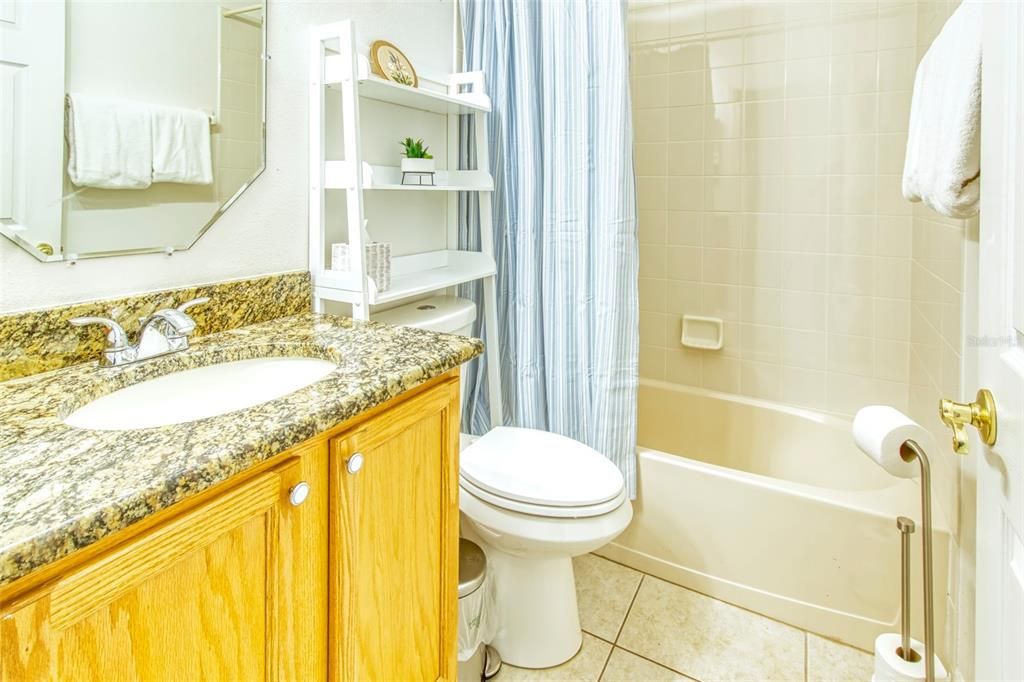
{"x": 477, "y": 660}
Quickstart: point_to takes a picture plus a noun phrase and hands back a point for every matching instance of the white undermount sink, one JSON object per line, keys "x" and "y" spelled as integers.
{"x": 199, "y": 393}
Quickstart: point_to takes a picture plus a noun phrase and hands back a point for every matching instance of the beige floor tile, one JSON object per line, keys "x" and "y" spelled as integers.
{"x": 626, "y": 667}
{"x": 709, "y": 639}
{"x": 585, "y": 666}
{"x": 604, "y": 590}
{"x": 829, "y": 661}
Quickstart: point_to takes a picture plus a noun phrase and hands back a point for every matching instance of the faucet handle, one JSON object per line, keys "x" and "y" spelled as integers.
{"x": 194, "y": 302}
{"x": 117, "y": 339}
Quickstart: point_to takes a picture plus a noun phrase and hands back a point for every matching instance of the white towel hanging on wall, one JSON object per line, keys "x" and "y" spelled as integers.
{"x": 943, "y": 161}
{"x": 181, "y": 146}
{"x": 119, "y": 144}
{"x": 109, "y": 145}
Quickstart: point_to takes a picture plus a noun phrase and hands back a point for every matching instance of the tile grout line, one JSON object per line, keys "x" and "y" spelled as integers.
{"x": 660, "y": 665}
{"x": 746, "y": 610}
{"x": 629, "y": 609}
{"x": 621, "y": 625}
{"x": 615, "y": 644}
{"x": 615, "y": 641}
{"x": 607, "y": 658}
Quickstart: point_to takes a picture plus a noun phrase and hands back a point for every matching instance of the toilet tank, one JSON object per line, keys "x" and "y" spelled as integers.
{"x": 449, "y": 314}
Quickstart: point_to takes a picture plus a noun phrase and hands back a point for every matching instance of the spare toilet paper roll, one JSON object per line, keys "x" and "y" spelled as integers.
{"x": 880, "y": 431}
{"x": 889, "y": 667}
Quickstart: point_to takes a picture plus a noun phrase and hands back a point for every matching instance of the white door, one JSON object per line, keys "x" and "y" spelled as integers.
{"x": 1000, "y": 352}
{"x": 32, "y": 120}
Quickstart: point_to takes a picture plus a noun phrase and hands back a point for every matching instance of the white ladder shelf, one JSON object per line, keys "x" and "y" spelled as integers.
{"x": 336, "y": 65}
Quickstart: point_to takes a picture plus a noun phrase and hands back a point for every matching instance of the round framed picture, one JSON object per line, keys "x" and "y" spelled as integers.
{"x": 388, "y": 62}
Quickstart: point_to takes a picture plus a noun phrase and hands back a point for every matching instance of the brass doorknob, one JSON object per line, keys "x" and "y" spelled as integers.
{"x": 981, "y": 414}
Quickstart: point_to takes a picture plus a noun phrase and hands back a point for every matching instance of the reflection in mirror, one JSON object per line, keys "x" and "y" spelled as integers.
{"x": 126, "y": 126}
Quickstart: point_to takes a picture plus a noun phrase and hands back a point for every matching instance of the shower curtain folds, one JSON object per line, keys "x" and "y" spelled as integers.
{"x": 564, "y": 216}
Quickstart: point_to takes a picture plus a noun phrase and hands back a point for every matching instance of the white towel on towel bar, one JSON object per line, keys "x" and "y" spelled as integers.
{"x": 109, "y": 143}
{"x": 943, "y": 162}
{"x": 181, "y": 146}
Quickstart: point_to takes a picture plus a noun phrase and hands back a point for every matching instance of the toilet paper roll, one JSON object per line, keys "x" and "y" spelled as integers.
{"x": 880, "y": 431}
{"x": 889, "y": 667}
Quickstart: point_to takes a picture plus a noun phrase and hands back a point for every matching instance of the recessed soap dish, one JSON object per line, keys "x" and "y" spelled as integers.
{"x": 702, "y": 332}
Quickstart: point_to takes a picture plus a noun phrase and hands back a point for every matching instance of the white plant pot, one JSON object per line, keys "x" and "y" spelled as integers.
{"x": 417, "y": 165}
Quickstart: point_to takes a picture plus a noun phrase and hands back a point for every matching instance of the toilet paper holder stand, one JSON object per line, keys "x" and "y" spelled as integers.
{"x": 910, "y": 451}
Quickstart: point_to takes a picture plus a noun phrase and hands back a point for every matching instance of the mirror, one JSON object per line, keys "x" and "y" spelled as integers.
{"x": 127, "y": 126}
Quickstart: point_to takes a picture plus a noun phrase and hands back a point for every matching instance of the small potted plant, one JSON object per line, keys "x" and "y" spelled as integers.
{"x": 418, "y": 160}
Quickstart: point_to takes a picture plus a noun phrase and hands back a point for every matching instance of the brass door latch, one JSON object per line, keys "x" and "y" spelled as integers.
{"x": 980, "y": 414}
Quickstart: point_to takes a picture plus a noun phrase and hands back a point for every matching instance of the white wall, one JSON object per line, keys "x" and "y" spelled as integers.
{"x": 265, "y": 231}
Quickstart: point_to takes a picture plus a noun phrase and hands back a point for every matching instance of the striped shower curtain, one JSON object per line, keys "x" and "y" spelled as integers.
{"x": 564, "y": 213}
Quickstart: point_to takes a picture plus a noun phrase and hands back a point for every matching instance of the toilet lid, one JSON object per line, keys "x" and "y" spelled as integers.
{"x": 540, "y": 468}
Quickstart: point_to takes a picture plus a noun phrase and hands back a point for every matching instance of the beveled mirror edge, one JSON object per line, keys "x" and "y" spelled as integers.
{"x": 33, "y": 249}
{"x": 61, "y": 257}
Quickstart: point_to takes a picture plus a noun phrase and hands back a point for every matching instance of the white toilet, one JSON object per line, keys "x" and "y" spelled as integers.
{"x": 532, "y": 500}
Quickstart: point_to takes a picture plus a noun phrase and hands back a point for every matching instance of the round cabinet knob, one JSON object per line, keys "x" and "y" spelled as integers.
{"x": 298, "y": 494}
{"x": 354, "y": 463}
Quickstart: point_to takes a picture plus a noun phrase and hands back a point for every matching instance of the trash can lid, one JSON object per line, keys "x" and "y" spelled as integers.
{"x": 472, "y": 567}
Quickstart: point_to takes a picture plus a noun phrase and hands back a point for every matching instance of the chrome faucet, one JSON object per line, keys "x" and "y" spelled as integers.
{"x": 165, "y": 331}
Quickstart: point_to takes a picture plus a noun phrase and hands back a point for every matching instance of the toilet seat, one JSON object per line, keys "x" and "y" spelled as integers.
{"x": 547, "y": 511}
{"x": 540, "y": 473}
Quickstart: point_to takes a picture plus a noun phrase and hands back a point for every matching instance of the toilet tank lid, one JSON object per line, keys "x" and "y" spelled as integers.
{"x": 437, "y": 314}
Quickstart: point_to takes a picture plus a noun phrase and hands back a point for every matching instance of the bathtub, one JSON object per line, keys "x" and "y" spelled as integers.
{"x": 773, "y": 509}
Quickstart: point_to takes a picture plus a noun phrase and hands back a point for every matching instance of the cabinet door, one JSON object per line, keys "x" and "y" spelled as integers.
{"x": 196, "y": 598}
{"x": 394, "y": 543}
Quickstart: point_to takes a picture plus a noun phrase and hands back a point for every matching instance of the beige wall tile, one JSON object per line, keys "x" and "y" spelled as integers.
{"x": 651, "y": 362}
{"x": 854, "y": 73}
{"x": 721, "y": 373}
{"x": 722, "y": 231}
{"x": 807, "y": 40}
{"x": 683, "y": 366}
{"x": 684, "y": 158}
{"x": 803, "y": 349}
{"x": 723, "y": 121}
{"x": 651, "y": 59}
{"x": 766, "y": 80}
{"x": 770, "y": 140}
{"x": 685, "y": 88}
{"x": 803, "y": 387}
{"x": 650, "y": 21}
{"x": 651, "y": 226}
{"x": 854, "y": 32}
{"x": 765, "y": 46}
{"x": 851, "y": 315}
{"x": 724, "y": 50}
{"x": 723, "y": 157}
{"x": 684, "y": 228}
{"x": 651, "y": 91}
{"x": 687, "y": 18}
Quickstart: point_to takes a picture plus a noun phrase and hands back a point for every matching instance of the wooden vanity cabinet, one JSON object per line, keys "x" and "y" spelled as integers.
{"x": 357, "y": 581}
{"x": 394, "y": 543}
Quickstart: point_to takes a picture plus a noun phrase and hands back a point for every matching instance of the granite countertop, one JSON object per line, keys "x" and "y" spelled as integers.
{"x": 63, "y": 488}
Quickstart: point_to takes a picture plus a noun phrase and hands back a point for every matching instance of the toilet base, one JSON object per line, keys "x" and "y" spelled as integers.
{"x": 539, "y": 622}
